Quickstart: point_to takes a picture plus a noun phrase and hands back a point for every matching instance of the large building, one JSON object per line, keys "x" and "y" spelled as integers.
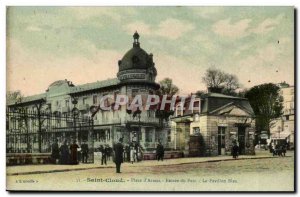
{"x": 283, "y": 128}
{"x": 214, "y": 124}
{"x": 136, "y": 75}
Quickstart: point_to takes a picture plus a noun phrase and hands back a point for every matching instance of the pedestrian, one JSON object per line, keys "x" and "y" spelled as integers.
{"x": 137, "y": 150}
{"x": 127, "y": 150}
{"x": 132, "y": 154}
{"x": 55, "y": 151}
{"x": 118, "y": 149}
{"x": 84, "y": 152}
{"x": 235, "y": 150}
{"x": 74, "y": 153}
{"x": 160, "y": 152}
{"x": 103, "y": 151}
{"x": 284, "y": 148}
{"x": 108, "y": 153}
{"x": 64, "y": 153}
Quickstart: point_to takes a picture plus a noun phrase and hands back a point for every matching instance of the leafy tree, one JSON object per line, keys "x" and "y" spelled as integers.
{"x": 225, "y": 83}
{"x": 166, "y": 88}
{"x": 14, "y": 97}
{"x": 266, "y": 103}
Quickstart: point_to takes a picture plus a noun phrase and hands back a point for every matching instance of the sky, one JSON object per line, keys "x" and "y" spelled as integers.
{"x": 84, "y": 44}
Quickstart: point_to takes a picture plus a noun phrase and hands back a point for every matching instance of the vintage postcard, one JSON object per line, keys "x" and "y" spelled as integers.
{"x": 193, "y": 99}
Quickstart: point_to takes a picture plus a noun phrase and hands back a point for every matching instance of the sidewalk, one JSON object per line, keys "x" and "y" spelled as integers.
{"x": 39, "y": 169}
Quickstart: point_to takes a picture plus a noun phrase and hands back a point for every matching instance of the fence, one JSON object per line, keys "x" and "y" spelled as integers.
{"x": 35, "y": 131}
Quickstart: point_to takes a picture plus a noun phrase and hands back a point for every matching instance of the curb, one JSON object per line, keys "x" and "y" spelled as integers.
{"x": 89, "y": 168}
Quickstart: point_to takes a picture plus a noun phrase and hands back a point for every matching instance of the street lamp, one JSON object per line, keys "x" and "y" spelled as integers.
{"x": 75, "y": 113}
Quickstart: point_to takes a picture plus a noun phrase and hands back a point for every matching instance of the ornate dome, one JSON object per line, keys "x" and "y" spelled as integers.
{"x": 136, "y": 57}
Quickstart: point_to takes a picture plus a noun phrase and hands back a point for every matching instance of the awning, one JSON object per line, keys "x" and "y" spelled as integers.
{"x": 280, "y": 135}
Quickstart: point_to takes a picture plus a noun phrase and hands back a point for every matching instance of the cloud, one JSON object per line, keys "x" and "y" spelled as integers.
{"x": 267, "y": 25}
{"x": 232, "y": 30}
{"x": 242, "y": 27}
{"x": 173, "y": 28}
{"x": 187, "y": 78}
{"x": 34, "y": 73}
{"x": 170, "y": 28}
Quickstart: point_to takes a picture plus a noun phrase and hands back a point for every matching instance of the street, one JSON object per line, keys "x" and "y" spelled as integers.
{"x": 271, "y": 174}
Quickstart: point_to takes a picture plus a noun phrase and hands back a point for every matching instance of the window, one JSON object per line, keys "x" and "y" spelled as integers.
{"x": 157, "y": 136}
{"x": 196, "y": 107}
{"x": 95, "y": 99}
{"x": 148, "y": 135}
{"x": 169, "y": 135}
{"x": 67, "y": 103}
{"x": 179, "y": 110}
{"x": 221, "y": 136}
{"x": 58, "y": 104}
{"x": 287, "y": 117}
{"x": 83, "y": 100}
{"x": 196, "y": 131}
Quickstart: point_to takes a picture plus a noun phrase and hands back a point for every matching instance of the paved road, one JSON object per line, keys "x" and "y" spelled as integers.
{"x": 244, "y": 175}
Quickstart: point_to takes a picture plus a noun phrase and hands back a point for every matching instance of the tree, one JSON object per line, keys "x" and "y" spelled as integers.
{"x": 218, "y": 80}
{"x": 167, "y": 87}
{"x": 14, "y": 96}
{"x": 266, "y": 103}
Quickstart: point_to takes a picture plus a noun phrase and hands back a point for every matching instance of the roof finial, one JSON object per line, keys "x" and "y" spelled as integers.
{"x": 136, "y": 37}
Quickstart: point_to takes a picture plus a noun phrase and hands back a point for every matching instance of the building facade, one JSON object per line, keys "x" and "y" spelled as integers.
{"x": 136, "y": 76}
{"x": 283, "y": 128}
{"x": 215, "y": 122}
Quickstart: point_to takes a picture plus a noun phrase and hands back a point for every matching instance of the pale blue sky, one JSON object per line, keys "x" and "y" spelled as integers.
{"x": 84, "y": 44}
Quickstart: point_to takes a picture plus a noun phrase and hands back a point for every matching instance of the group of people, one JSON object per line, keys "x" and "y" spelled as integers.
{"x": 106, "y": 151}
{"x": 278, "y": 149}
{"x": 132, "y": 153}
{"x": 68, "y": 154}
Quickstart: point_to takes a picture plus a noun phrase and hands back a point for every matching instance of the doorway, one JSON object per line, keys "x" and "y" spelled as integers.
{"x": 241, "y": 139}
{"x": 221, "y": 140}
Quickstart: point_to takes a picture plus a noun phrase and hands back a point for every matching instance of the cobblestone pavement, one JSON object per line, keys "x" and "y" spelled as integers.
{"x": 269, "y": 174}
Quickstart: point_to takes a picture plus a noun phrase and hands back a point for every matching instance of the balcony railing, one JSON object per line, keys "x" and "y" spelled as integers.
{"x": 149, "y": 120}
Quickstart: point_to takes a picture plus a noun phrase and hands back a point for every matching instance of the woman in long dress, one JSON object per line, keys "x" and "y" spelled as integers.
{"x": 132, "y": 154}
{"x": 74, "y": 152}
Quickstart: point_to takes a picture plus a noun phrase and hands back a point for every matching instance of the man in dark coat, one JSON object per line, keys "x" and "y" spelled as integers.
{"x": 84, "y": 151}
{"x": 160, "y": 151}
{"x": 64, "y": 153}
{"x": 119, "y": 149}
{"x": 74, "y": 152}
{"x": 55, "y": 151}
{"x": 103, "y": 151}
{"x": 235, "y": 150}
